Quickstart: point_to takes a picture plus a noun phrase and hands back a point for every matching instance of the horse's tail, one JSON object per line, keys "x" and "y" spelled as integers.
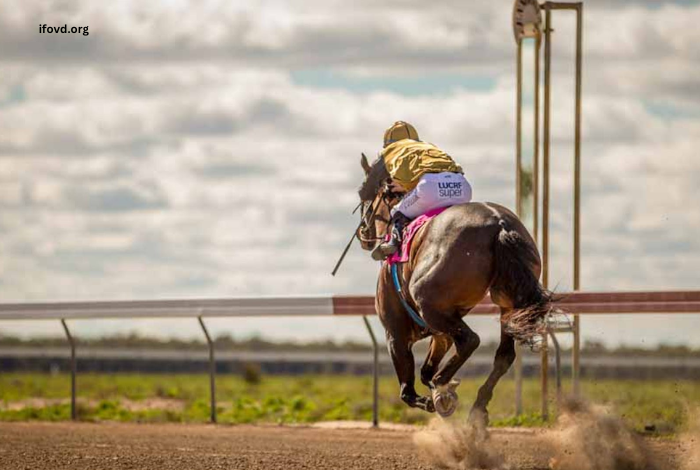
{"x": 515, "y": 259}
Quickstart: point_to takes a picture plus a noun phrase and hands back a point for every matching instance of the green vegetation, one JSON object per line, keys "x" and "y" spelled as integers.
{"x": 305, "y": 399}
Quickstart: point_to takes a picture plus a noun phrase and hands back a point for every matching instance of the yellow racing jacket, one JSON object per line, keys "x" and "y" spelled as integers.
{"x": 407, "y": 160}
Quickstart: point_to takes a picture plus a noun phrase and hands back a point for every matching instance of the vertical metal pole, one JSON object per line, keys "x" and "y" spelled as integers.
{"x": 212, "y": 370}
{"x": 73, "y": 371}
{"x": 518, "y": 380}
{"x": 546, "y": 143}
{"x": 545, "y": 194}
{"x": 576, "y": 357}
{"x": 519, "y": 132}
{"x": 544, "y": 378}
{"x": 519, "y": 207}
{"x": 536, "y": 148}
{"x": 557, "y": 364}
{"x": 577, "y": 196}
{"x": 375, "y": 374}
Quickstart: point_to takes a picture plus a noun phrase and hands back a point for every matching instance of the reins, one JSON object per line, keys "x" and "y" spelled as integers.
{"x": 402, "y": 297}
{"x": 357, "y": 231}
{"x": 368, "y": 218}
{"x": 395, "y": 275}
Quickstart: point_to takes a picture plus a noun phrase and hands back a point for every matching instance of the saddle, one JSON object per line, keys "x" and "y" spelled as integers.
{"x": 409, "y": 234}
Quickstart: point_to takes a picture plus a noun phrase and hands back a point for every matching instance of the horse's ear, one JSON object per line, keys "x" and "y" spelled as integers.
{"x": 365, "y": 164}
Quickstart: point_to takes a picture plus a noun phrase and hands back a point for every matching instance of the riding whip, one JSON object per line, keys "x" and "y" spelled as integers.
{"x": 345, "y": 251}
{"x": 354, "y": 235}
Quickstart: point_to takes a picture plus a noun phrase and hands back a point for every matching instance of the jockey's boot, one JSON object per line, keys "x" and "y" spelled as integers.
{"x": 388, "y": 248}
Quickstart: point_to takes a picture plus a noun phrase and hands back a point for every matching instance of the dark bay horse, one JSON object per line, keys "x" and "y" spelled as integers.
{"x": 456, "y": 258}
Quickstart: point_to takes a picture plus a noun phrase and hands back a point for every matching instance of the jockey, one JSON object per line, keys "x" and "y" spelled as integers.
{"x": 425, "y": 176}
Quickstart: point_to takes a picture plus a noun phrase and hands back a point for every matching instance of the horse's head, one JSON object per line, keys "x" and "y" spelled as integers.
{"x": 375, "y": 203}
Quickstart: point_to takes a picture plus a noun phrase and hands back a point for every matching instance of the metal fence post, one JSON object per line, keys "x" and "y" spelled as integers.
{"x": 576, "y": 357}
{"x": 544, "y": 378}
{"x": 212, "y": 370}
{"x": 375, "y": 374}
{"x": 557, "y": 364}
{"x": 73, "y": 371}
{"x": 519, "y": 380}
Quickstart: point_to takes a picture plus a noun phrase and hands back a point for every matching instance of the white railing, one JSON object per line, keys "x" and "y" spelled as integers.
{"x": 575, "y": 302}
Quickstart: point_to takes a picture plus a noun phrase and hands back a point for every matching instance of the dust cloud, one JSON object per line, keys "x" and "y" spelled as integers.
{"x": 590, "y": 437}
{"x": 458, "y": 447}
{"x": 585, "y": 437}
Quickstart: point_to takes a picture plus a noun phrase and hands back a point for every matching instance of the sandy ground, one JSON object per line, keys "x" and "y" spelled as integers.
{"x": 101, "y": 446}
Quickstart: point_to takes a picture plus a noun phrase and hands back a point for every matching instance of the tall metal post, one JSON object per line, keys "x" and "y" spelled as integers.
{"x": 575, "y": 359}
{"x": 212, "y": 371}
{"x": 536, "y": 146}
{"x": 519, "y": 210}
{"x": 546, "y": 143}
{"x": 73, "y": 371}
{"x": 526, "y": 25}
{"x": 578, "y": 8}
{"x": 544, "y": 370}
{"x": 375, "y": 374}
{"x": 519, "y": 133}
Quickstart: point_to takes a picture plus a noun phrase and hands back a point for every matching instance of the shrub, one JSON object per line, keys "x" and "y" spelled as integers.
{"x": 251, "y": 374}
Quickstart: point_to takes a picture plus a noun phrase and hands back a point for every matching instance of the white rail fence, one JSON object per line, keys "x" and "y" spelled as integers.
{"x": 576, "y": 302}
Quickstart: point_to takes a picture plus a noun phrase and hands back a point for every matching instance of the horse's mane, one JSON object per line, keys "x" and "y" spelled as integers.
{"x": 376, "y": 176}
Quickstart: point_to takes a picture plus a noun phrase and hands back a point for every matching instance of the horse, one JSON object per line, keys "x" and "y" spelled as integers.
{"x": 455, "y": 259}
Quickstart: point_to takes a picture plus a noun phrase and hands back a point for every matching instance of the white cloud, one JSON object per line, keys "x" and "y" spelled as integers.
{"x": 170, "y": 154}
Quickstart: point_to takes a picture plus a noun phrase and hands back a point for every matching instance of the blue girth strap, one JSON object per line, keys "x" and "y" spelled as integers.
{"x": 397, "y": 285}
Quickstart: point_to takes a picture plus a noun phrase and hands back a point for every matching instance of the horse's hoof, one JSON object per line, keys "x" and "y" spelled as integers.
{"x": 446, "y": 405}
{"x": 479, "y": 418}
{"x": 445, "y": 398}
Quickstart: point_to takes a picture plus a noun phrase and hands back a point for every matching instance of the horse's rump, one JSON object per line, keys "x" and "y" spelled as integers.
{"x": 486, "y": 248}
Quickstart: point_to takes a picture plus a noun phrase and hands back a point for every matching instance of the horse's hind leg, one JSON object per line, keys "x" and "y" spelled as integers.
{"x": 465, "y": 340}
{"x": 439, "y": 345}
{"x": 505, "y": 355}
{"x": 402, "y": 357}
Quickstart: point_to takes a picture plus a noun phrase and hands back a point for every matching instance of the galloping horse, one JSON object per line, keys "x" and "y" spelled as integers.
{"x": 455, "y": 259}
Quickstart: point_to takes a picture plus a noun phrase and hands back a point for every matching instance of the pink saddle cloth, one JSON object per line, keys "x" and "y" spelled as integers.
{"x": 410, "y": 232}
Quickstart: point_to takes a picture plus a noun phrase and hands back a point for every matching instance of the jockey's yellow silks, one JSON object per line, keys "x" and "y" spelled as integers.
{"x": 407, "y": 160}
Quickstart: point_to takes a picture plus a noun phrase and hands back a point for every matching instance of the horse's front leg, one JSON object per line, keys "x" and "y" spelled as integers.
{"x": 402, "y": 358}
{"x": 505, "y": 355}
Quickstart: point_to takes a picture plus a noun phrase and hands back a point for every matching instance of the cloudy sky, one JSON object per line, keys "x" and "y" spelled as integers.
{"x": 210, "y": 149}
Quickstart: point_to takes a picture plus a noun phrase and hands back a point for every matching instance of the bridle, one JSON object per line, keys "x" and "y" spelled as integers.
{"x": 369, "y": 215}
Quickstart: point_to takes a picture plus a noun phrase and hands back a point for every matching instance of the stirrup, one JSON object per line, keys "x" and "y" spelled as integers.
{"x": 384, "y": 250}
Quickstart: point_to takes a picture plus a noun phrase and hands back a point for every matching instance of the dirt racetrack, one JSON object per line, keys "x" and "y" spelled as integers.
{"x": 104, "y": 446}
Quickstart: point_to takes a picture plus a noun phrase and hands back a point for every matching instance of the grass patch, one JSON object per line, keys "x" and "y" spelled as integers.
{"x": 310, "y": 398}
